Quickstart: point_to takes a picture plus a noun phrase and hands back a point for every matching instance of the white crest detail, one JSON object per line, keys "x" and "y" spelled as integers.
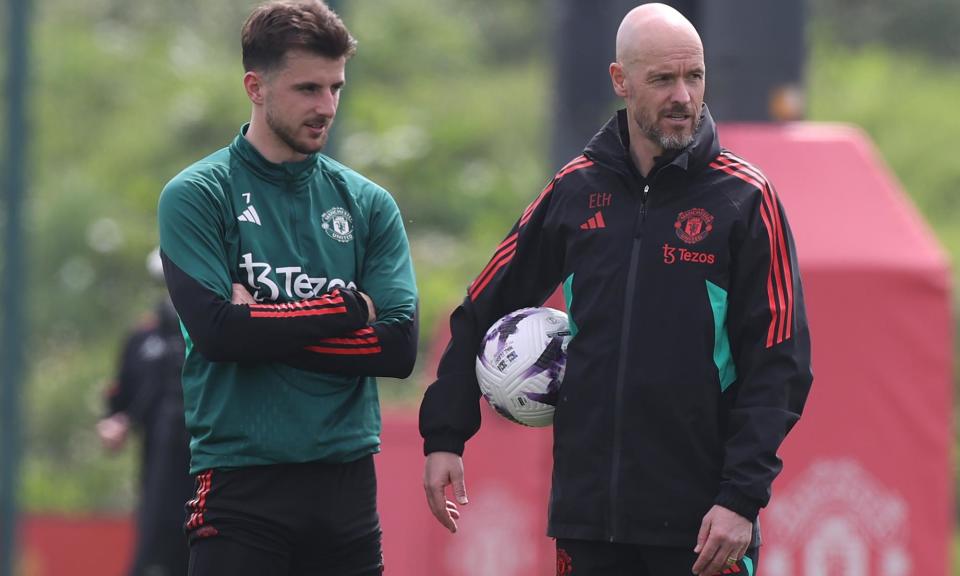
{"x": 836, "y": 518}
{"x": 338, "y": 224}
{"x": 497, "y": 538}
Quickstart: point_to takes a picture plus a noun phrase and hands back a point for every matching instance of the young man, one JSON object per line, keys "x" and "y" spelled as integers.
{"x": 292, "y": 277}
{"x": 691, "y": 356}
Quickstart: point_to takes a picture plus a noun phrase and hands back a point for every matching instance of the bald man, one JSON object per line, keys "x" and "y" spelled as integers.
{"x": 689, "y": 360}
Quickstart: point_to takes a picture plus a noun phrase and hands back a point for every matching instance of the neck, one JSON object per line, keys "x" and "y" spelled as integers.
{"x": 266, "y": 142}
{"x": 642, "y": 151}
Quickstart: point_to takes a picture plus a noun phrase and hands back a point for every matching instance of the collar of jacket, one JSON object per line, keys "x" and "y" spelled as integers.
{"x": 292, "y": 172}
{"x": 611, "y": 146}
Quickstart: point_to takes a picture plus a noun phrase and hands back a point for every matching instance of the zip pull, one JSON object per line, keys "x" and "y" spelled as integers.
{"x": 638, "y": 225}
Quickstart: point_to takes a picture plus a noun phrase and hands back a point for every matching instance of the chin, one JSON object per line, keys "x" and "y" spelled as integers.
{"x": 312, "y": 146}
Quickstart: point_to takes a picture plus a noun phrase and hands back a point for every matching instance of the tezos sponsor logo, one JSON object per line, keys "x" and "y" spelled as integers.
{"x": 338, "y": 224}
{"x": 693, "y": 225}
{"x": 296, "y": 283}
{"x": 672, "y": 254}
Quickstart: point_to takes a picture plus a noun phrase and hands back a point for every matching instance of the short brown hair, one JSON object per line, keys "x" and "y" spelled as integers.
{"x": 275, "y": 28}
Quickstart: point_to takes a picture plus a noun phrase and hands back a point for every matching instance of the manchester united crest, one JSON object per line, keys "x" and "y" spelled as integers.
{"x": 693, "y": 225}
{"x": 338, "y": 224}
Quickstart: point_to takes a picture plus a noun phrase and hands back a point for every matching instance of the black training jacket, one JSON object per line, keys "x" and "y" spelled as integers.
{"x": 690, "y": 360}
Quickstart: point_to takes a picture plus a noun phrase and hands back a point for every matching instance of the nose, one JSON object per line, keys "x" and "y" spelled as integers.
{"x": 680, "y": 92}
{"x": 327, "y": 102}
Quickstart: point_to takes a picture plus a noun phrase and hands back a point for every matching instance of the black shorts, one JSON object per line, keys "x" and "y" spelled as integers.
{"x": 595, "y": 558}
{"x": 286, "y": 520}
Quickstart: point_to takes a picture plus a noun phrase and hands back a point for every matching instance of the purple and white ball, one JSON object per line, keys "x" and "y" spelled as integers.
{"x": 521, "y": 362}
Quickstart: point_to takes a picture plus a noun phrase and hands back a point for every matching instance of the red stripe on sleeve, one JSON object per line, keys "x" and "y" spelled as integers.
{"x": 331, "y": 299}
{"x": 345, "y": 351}
{"x": 350, "y": 341}
{"x": 576, "y": 160}
{"x": 773, "y": 281}
{"x": 503, "y": 262}
{"x": 577, "y": 163}
{"x": 297, "y": 313}
{"x": 506, "y": 249}
{"x": 572, "y": 166}
{"x": 785, "y": 277}
{"x": 528, "y": 212}
{"x": 776, "y": 291}
{"x": 362, "y": 341}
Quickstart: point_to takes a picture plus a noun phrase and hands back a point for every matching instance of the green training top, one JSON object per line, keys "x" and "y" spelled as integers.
{"x": 288, "y": 232}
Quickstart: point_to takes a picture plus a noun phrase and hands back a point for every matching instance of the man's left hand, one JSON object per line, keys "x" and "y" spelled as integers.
{"x": 723, "y": 540}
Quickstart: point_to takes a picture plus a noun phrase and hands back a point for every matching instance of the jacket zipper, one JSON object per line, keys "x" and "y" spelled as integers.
{"x": 622, "y": 365}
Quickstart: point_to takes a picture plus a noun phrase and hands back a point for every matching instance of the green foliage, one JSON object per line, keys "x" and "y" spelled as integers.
{"x": 927, "y": 26}
{"x": 905, "y": 103}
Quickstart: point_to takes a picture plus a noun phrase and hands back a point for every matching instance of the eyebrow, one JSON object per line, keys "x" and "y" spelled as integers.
{"x": 671, "y": 72}
{"x": 312, "y": 84}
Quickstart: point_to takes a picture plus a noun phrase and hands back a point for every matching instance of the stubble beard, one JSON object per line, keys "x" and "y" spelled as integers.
{"x": 287, "y": 134}
{"x": 667, "y": 142}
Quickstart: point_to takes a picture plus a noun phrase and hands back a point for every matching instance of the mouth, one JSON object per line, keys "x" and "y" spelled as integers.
{"x": 678, "y": 120}
{"x": 316, "y": 127}
{"x": 678, "y": 116}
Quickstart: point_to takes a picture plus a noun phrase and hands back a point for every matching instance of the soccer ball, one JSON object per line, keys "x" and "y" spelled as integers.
{"x": 521, "y": 363}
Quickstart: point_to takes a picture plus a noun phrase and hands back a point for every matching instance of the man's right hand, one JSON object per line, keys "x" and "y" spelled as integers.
{"x": 443, "y": 469}
{"x": 241, "y": 296}
{"x": 113, "y": 430}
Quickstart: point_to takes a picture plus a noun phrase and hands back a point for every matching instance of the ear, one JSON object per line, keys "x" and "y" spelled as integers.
{"x": 618, "y": 78}
{"x": 254, "y": 84}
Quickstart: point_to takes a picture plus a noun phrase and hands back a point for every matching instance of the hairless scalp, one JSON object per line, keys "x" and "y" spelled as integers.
{"x": 650, "y": 28}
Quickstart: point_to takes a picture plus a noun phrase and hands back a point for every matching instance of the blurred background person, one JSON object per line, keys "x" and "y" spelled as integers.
{"x": 146, "y": 396}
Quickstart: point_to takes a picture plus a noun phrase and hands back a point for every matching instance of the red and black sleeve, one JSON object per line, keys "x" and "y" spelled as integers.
{"x": 524, "y": 271}
{"x": 381, "y": 349}
{"x": 770, "y": 343}
{"x": 226, "y": 332}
